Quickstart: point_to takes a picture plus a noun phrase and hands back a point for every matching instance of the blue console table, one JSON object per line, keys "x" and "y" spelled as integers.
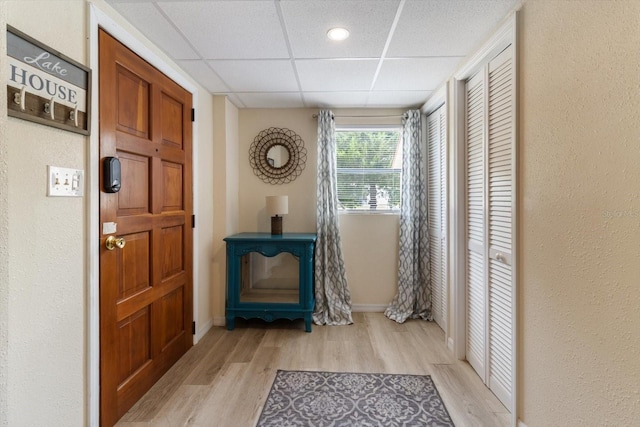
{"x": 300, "y": 245}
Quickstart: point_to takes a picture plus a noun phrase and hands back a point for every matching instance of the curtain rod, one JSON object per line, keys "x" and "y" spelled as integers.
{"x": 315, "y": 116}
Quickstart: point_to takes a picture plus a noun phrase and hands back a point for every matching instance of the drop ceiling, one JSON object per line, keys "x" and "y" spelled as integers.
{"x": 275, "y": 53}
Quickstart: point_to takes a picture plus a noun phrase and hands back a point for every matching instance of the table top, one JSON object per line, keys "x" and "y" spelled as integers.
{"x": 268, "y": 237}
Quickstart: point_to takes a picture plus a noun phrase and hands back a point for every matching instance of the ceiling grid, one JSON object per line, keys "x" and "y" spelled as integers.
{"x": 276, "y": 54}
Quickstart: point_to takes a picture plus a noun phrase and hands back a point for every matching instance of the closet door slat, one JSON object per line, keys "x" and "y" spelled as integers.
{"x": 475, "y": 224}
{"x": 500, "y": 232}
{"x": 436, "y": 143}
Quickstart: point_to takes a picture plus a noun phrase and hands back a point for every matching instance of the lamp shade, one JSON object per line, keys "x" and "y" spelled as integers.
{"x": 277, "y": 205}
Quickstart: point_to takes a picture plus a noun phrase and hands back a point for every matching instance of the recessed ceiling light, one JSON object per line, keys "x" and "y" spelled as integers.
{"x": 338, "y": 34}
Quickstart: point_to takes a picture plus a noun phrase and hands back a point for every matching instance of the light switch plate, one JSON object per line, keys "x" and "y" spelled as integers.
{"x": 65, "y": 182}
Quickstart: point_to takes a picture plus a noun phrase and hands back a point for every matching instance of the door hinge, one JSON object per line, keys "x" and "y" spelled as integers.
{"x": 193, "y": 221}
{"x": 193, "y": 114}
{"x": 193, "y": 328}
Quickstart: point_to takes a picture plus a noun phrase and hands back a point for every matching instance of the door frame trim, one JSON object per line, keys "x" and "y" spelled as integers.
{"x": 99, "y": 19}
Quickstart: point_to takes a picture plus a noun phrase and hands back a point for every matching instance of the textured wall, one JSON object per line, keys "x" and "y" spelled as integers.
{"x": 4, "y": 233}
{"x": 579, "y": 213}
{"x": 46, "y": 246}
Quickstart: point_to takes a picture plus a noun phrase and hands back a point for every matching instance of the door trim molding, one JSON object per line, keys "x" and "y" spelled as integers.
{"x": 503, "y": 36}
{"x": 99, "y": 18}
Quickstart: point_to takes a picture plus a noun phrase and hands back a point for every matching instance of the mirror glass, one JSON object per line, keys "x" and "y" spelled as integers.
{"x": 277, "y": 156}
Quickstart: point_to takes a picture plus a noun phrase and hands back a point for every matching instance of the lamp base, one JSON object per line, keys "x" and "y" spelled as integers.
{"x": 276, "y": 225}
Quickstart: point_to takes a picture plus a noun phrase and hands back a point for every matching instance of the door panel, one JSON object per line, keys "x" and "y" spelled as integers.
{"x": 171, "y": 113}
{"x": 500, "y": 165}
{"x": 444, "y": 285}
{"x": 133, "y": 333}
{"x": 490, "y": 205}
{"x": 475, "y": 148}
{"x": 133, "y": 197}
{"x": 146, "y": 286}
{"x": 133, "y": 100}
{"x": 172, "y": 180}
{"x": 133, "y": 265}
{"x": 437, "y": 202}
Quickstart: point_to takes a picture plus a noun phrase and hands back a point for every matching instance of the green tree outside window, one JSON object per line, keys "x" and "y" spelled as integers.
{"x": 368, "y": 168}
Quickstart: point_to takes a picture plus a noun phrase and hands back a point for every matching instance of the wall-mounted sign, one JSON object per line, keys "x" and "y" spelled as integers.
{"x": 45, "y": 86}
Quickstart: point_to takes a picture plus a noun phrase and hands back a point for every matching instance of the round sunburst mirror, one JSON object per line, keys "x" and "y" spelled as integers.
{"x": 277, "y": 155}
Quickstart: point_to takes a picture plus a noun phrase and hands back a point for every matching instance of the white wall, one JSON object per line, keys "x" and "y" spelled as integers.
{"x": 370, "y": 250}
{"x": 252, "y": 190}
{"x": 46, "y": 283}
{"x": 4, "y": 232}
{"x": 579, "y": 218}
{"x": 225, "y": 195}
{"x": 370, "y": 241}
{"x": 204, "y": 253}
{"x": 43, "y": 296}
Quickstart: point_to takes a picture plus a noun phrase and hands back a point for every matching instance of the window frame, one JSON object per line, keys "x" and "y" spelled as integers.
{"x": 372, "y": 128}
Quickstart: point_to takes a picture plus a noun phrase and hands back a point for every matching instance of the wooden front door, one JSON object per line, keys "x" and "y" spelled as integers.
{"x": 146, "y": 307}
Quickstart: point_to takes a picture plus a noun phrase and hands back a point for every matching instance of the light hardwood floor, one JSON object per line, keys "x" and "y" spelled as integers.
{"x": 224, "y": 380}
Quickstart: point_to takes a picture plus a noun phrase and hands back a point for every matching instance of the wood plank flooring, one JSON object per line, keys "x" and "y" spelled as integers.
{"x": 224, "y": 380}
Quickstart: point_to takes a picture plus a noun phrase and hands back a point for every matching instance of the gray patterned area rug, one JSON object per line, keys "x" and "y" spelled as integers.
{"x": 329, "y": 399}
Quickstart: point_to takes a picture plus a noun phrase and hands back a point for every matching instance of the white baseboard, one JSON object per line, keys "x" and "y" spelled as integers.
{"x": 368, "y": 308}
{"x": 521, "y": 424}
{"x": 203, "y": 330}
{"x": 219, "y": 321}
{"x": 450, "y": 346}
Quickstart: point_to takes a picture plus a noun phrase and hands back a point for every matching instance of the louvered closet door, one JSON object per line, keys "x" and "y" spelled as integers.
{"x": 501, "y": 118}
{"x": 437, "y": 202}
{"x": 475, "y": 224}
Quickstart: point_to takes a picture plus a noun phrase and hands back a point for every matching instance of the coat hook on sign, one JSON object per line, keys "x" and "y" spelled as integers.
{"x": 73, "y": 115}
{"x": 49, "y": 108}
{"x": 19, "y": 98}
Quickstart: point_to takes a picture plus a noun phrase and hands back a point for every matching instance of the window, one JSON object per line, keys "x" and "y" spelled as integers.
{"x": 369, "y": 163}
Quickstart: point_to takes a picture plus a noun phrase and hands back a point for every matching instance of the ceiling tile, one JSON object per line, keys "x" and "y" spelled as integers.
{"x": 246, "y": 51}
{"x": 336, "y": 99}
{"x": 414, "y": 74}
{"x": 257, "y": 76}
{"x": 230, "y": 29}
{"x": 146, "y": 18}
{"x": 204, "y": 75}
{"x": 445, "y": 27}
{"x": 308, "y": 22}
{"x": 398, "y": 99}
{"x": 271, "y": 100}
{"x": 326, "y": 75}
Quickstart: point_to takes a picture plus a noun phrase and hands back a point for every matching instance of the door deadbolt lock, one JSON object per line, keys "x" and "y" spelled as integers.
{"x": 113, "y": 242}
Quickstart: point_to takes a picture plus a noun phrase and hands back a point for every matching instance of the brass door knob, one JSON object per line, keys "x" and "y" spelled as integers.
{"x": 112, "y": 242}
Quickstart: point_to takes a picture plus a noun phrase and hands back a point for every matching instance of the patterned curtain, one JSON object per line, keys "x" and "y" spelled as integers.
{"x": 413, "y": 299}
{"x": 333, "y": 299}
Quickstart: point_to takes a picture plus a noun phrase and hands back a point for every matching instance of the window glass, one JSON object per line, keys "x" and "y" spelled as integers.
{"x": 369, "y": 163}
